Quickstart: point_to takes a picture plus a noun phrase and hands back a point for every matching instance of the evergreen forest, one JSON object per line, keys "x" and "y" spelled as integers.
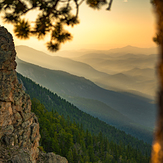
{"x": 66, "y": 138}
{"x": 78, "y": 136}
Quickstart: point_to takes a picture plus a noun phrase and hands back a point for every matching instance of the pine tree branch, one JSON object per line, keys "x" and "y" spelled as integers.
{"x": 81, "y": 2}
{"x": 109, "y": 7}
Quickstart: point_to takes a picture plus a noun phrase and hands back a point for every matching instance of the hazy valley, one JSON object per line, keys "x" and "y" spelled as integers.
{"x": 116, "y": 87}
{"x": 113, "y": 71}
{"x": 126, "y": 111}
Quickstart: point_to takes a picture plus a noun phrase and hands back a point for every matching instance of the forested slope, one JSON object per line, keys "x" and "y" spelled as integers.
{"x": 69, "y": 139}
{"x": 134, "y": 114}
{"x": 53, "y": 102}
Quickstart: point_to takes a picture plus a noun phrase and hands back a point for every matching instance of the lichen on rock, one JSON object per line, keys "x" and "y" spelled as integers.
{"x": 19, "y": 127}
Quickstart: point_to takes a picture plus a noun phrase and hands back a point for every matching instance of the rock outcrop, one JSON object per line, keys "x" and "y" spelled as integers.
{"x": 19, "y": 127}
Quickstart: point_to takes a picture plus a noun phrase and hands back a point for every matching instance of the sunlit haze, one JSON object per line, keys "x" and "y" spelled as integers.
{"x": 129, "y": 22}
{"x": 107, "y": 71}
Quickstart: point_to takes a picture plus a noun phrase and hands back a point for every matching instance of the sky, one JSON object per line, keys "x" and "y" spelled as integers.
{"x": 130, "y": 22}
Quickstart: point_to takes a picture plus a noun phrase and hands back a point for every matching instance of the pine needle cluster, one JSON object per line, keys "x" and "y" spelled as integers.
{"x": 52, "y": 18}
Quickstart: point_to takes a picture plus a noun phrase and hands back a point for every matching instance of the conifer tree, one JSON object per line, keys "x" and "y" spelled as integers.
{"x": 53, "y": 16}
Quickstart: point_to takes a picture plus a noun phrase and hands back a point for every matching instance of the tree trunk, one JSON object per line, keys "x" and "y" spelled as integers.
{"x": 157, "y": 148}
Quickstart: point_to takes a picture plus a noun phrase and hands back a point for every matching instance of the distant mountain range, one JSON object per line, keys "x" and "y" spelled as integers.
{"x": 116, "y": 63}
{"x": 116, "y": 51}
{"x": 133, "y": 50}
{"x": 126, "y": 111}
{"x": 129, "y": 72}
{"x": 111, "y": 70}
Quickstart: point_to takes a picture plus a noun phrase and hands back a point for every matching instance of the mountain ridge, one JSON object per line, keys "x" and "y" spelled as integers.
{"x": 66, "y": 84}
{"x": 54, "y": 102}
{"x": 99, "y": 76}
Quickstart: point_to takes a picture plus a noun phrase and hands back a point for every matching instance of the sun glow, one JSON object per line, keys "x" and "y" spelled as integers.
{"x": 129, "y": 23}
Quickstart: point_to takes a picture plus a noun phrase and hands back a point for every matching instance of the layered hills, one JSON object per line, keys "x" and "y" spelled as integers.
{"x": 116, "y": 51}
{"x": 112, "y": 71}
{"x": 127, "y": 71}
{"x": 70, "y": 113}
{"x": 123, "y": 110}
{"x": 116, "y": 86}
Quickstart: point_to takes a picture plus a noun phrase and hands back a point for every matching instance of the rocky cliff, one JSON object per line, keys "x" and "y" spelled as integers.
{"x": 19, "y": 127}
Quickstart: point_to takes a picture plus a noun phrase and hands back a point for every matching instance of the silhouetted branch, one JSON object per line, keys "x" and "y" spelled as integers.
{"x": 109, "y": 7}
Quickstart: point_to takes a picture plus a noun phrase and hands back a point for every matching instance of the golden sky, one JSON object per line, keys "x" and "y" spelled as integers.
{"x": 130, "y": 22}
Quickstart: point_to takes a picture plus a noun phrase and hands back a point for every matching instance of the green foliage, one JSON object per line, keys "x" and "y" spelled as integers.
{"x": 51, "y": 14}
{"x": 22, "y": 29}
{"x": 156, "y": 39}
{"x": 96, "y": 4}
{"x": 53, "y": 47}
{"x": 54, "y": 103}
{"x": 66, "y": 138}
{"x": 41, "y": 148}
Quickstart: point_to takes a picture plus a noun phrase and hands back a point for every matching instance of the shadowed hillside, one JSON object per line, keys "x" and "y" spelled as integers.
{"x": 53, "y": 102}
{"x": 138, "y": 110}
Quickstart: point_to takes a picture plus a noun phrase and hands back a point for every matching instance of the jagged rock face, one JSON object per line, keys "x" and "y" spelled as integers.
{"x": 19, "y": 127}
